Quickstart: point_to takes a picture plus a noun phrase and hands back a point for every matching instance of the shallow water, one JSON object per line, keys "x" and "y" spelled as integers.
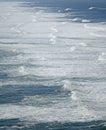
{"x": 53, "y": 65}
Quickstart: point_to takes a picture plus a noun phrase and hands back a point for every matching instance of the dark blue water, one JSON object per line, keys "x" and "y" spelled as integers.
{"x": 52, "y": 65}
{"x": 79, "y": 7}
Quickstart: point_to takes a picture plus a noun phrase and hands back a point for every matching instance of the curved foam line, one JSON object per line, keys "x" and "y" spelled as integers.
{"x": 94, "y": 28}
{"x": 91, "y": 8}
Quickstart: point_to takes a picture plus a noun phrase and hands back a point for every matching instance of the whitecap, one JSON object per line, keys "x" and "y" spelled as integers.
{"x": 85, "y": 21}
{"x": 67, "y": 85}
{"x": 97, "y": 8}
{"x": 73, "y": 95}
{"x": 76, "y": 19}
{"x": 68, "y": 9}
{"x": 91, "y": 8}
{"x": 73, "y": 48}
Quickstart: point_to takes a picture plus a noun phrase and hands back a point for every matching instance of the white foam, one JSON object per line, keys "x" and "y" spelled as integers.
{"x": 8, "y": 14}
{"x": 20, "y": 57}
{"x": 102, "y": 57}
{"x": 73, "y": 48}
{"x": 67, "y": 85}
{"x": 94, "y": 27}
{"x": 34, "y": 18}
{"x": 13, "y": 127}
{"x": 98, "y": 8}
{"x": 54, "y": 29}
{"x": 85, "y": 112}
{"x": 39, "y": 12}
{"x": 52, "y": 41}
{"x": 20, "y": 24}
{"x": 82, "y": 44}
{"x": 85, "y": 21}
{"x": 76, "y": 19}
{"x": 22, "y": 70}
{"x": 69, "y": 108}
{"x": 68, "y": 9}
{"x": 14, "y": 50}
{"x": 105, "y": 124}
{"x": 97, "y": 35}
{"x": 60, "y": 112}
{"x": 73, "y": 95}
{"x": 15, "y": 30}
{"x": 63, "y": 23}
{"x": 42, "y": 58}
{"x": 59, "y": 11}
{"x": 91, "y": 8}
{"x": 52, "y": 36}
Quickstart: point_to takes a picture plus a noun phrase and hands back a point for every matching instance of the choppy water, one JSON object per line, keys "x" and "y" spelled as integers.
{"x": 53, "y": 65}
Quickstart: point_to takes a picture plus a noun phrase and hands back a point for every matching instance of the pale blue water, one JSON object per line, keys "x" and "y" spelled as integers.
{"x": 52, "y": 65}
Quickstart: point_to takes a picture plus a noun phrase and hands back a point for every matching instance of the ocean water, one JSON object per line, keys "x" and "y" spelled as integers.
{"x": 52, "y": 65}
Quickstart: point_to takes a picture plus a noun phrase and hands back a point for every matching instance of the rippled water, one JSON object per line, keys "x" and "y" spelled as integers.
{"x": 52, "y": 65}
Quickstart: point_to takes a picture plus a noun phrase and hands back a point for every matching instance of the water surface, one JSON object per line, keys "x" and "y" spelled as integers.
{"x": 52, "y": 65}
